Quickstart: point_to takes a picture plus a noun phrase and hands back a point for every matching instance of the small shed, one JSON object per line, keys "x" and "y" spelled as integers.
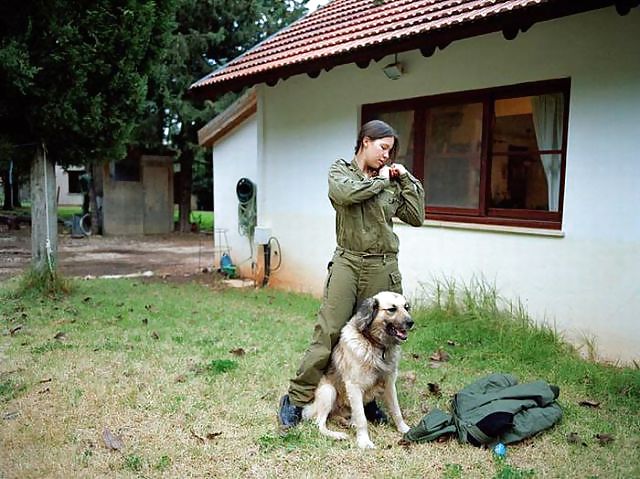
{"x": 137, "y": 195}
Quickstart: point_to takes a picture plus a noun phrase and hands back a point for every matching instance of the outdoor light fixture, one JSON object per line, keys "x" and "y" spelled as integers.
{"x": 394, "y": 70}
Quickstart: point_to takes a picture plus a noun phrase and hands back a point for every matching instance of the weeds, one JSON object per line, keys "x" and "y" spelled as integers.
{"x": 133, "y": 463}
{"x": 9, "y": 389}
{"x": 50, "y": 284}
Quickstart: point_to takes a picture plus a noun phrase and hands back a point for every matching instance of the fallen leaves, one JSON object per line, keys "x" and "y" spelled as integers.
{"x": 15, "y": 329}
{"x": 111, "y": 441}
{"x": 604, "y": 439}
{"x": 9, "y": 416}
{"x": 574, "y": 438}
{"x": 434, "y": 389}
{"x": 209, "y": 436}
{"x": 440, "y": 356}
{"x": 589, "y": 403}
{"x": 601, "y": 438}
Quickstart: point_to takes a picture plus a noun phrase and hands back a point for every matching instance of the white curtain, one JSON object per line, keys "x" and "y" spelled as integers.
{"x": 547, "y": 120}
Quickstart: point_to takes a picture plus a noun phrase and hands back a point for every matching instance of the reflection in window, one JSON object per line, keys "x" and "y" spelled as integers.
{"x": 453, "y": 144}
{"x": 402, "y": 122}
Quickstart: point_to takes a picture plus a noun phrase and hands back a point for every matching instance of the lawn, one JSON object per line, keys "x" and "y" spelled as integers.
{"x": 126, "y": 378}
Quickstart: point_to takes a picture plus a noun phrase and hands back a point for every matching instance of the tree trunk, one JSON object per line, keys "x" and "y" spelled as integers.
{"x": 44, "y": 214}
{"x": 96, "y": 226}
{"x": 186, "y": 180}
{"x": 16, "y": 193}
{"x": 6, "y": 187}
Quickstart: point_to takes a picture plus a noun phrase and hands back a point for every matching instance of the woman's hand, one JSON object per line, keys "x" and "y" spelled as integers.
{"x": 385, "y": 172}
{"x": 399, "y": 169}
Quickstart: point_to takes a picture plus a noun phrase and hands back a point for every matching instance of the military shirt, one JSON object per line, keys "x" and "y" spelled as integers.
{"x": 365, "y": 207}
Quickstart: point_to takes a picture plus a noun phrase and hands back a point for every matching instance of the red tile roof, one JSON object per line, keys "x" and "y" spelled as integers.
{"x": 346, "y": 31}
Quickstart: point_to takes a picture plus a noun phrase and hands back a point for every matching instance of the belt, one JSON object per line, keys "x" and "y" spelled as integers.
{"x": 362, "y": 255}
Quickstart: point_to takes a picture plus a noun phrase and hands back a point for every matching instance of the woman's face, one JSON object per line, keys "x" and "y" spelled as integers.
{"x": 376, "y": 152}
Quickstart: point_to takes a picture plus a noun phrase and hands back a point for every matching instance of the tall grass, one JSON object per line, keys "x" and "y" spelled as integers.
{"x": 490, "y": 333}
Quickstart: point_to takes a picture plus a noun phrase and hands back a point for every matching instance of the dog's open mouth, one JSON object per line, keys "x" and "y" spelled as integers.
{"x": 401, "y": 334}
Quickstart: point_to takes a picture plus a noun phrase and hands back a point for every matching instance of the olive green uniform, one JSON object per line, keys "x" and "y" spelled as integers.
{"x": 365, "y": 261}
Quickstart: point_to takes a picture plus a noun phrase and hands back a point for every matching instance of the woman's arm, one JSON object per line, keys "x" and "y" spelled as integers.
{"x": 345, "y": 189}
{"x": 411, "y": 210}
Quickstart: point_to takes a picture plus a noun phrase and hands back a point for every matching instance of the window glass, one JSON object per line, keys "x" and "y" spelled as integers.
{"x": 74, "y": 180}
{"x": 402, "y": 122}
{"x": 453, "y": 144}
{"x": 127, "y": 169}
{"x": 526, "y": 141}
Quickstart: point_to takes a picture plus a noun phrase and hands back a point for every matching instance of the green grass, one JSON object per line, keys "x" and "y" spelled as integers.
{"x": 189, "y": 376}
{"x": 204, "y": 219}
{"x": 65, "y": 213}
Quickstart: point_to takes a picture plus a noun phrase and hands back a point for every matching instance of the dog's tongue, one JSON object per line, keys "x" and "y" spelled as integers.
{"x": 401, "y": 334}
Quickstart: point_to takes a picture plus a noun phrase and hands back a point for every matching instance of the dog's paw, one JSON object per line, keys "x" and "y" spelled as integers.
{"x": 402, "y": 427}
{"x": 340, "y": 436}
{"x": 365, "y": 443}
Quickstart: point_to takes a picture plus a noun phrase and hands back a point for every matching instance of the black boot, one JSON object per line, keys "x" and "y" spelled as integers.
{"x": 289, "y": 414}
{"x": 374, "y": 414}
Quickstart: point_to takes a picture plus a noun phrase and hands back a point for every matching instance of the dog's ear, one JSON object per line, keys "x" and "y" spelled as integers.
{"x": 367, "y": 311}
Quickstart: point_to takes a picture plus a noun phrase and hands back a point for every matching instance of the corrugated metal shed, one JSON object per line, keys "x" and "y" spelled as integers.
{"x": 358, "y": 31}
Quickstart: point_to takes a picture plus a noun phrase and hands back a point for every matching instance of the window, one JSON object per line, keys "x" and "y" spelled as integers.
{"x": 127, "y": 169}
{"x": 75, "y": 178}
{"x": 493, "y": 156}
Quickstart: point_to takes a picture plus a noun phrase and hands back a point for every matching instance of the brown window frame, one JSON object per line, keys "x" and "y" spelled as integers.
{"x": 484, "y": 214}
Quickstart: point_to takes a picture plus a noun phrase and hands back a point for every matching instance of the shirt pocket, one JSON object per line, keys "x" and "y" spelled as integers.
{"x": 390, "y": 203}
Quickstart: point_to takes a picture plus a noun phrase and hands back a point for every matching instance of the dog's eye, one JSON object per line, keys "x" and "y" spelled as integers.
{"x": 392, "y": 309}
{"x": 407, "y": 307}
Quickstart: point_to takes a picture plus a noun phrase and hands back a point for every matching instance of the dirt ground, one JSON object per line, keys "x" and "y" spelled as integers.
{"x": 176, "y": 254}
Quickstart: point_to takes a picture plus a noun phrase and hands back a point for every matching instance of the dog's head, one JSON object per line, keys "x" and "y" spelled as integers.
{"x": 385, "y": 317}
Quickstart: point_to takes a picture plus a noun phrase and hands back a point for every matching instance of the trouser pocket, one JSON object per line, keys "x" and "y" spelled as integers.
{"x": 395, "y": 282}
{"x": 327, "y": 281}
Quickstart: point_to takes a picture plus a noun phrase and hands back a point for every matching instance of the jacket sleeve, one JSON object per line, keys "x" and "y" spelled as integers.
{"x": 345, "y": 190}
{"x": 411, "y": 210}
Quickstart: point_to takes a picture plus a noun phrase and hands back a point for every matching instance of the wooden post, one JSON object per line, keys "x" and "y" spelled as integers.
{"x": 44, "y": 213}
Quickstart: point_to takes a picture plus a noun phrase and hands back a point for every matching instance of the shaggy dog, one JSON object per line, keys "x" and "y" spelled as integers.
{"x": 363, "y": 367}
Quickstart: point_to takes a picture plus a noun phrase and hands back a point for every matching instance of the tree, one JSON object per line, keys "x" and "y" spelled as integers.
{"x": 75, "y": 81}
{"x": 208, "y": 33}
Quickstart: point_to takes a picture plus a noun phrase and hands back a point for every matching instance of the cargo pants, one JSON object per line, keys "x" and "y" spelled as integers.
{"x": 351, "y": 278}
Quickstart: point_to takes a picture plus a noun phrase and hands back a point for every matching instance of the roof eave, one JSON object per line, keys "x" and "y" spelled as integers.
{"x": 510, "y": 24}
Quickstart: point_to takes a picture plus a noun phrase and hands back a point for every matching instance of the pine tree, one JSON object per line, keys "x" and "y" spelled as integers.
{"x": 74, "y": 78}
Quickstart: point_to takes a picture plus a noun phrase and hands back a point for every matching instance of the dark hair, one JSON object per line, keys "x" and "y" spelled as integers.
{"x": 376, "y": 129}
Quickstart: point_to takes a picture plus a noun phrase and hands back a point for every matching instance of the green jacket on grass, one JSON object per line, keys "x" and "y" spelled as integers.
{"x": 493, "y": 409}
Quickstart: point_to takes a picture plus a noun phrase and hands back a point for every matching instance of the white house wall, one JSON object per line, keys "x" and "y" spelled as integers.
{"x": 64, "y": 197}
{"x": 585, "y": 282}
{"x": 234, "y": 157}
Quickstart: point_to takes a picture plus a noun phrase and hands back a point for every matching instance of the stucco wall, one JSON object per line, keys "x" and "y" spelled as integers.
{"x": 64, "y": 197}
{"x": 584, "y": 282}
{"x": 234, "y": 157}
